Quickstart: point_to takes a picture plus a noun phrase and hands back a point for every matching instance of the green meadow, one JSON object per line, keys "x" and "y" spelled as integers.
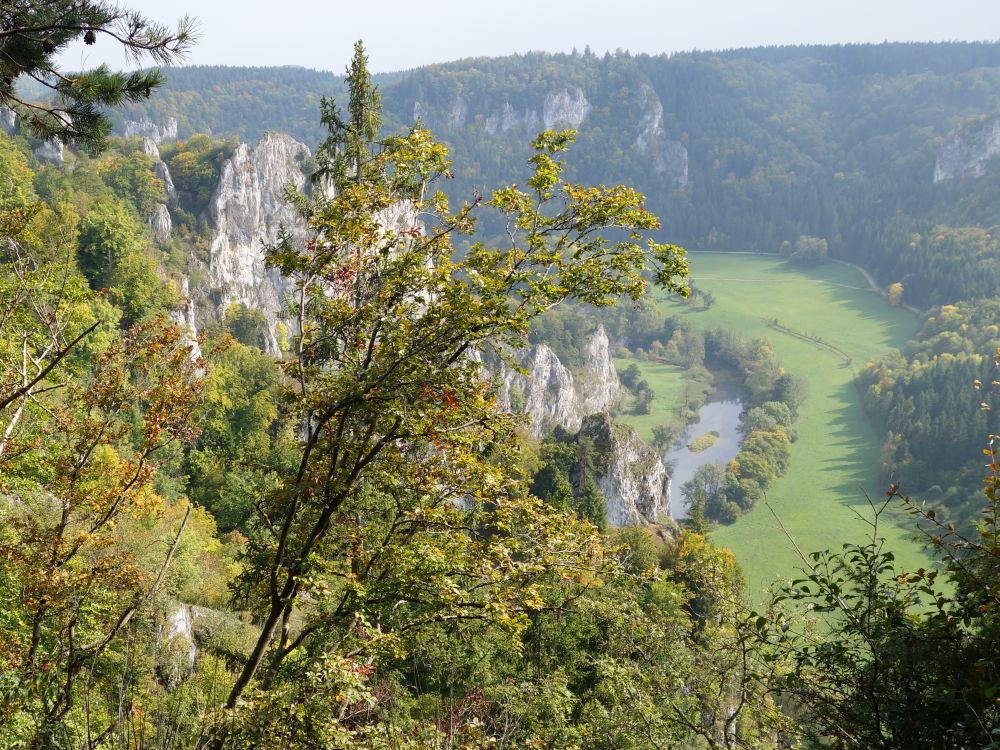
{"x": 672, "y": 387}
{"x": 834, "y": 462}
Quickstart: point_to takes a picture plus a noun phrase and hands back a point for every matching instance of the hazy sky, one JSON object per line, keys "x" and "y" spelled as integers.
{"x": 402, "y": 35}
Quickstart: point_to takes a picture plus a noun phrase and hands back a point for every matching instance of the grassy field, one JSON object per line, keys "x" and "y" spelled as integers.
{"x": 835, "y": 459}
{"x": 670, "y": 388}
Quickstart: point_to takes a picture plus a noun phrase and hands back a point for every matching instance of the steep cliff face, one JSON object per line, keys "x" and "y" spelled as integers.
{"x": 247, "y": 212}
{"x": 642, "y": 123}
{"x": 52, "y": 151}
{"x": 550, "y": 395}
{"x": 179, "y": 626}
{"x": 565, "y": 110}
{"x": 968, "y": 150}
{"x": 631, "y": 476}
{"x": 456, "y": 117}
{"x": 545, "y": 393}
{"x": 188, "y": 630}
{"x": 160, "y": 224}
{"x": 669, "y": 158}
{"x": 597, "y": 386}
{"x": 146, "y": 128}
{"x": 508, "y": 119}
{"x": 186, "y": 319}
{"x": 8, "y": 119}
{"x": 178, "y": 650}
{"x": 560, "y": 109}
{"x": 160, "y": 168}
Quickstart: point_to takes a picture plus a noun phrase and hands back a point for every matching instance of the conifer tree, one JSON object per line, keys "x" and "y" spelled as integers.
{"x": 32, "y": 35}
{"x": 348, "y": 150}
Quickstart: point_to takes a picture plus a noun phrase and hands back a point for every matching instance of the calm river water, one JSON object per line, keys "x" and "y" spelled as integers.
{"x": 721, "y": 416}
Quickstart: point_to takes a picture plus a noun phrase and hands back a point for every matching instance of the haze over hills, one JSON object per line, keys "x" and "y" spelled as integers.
{"x": 298, "y": 451}
{"x": 883, "y": 153}
{"x": 744, "y": 148}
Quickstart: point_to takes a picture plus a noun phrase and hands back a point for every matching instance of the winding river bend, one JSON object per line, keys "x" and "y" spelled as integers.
{"x": 721, "y": 416}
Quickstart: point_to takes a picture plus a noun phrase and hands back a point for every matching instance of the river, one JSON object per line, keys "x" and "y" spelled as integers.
{"x": 721, "y": 416}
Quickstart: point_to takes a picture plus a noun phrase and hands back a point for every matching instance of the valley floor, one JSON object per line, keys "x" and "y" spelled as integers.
{"x": 822, "y": 501}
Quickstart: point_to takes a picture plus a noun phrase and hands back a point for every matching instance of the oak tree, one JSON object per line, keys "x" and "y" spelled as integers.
{"x": 401, "y": 514}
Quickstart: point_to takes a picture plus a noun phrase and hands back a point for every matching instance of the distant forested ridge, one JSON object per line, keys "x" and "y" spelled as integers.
{"x": 742, "y": 149}
{"x": 886, "y": 153}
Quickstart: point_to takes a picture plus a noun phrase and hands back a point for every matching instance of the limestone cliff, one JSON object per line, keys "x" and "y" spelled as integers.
{"x": 186, "y": 631}
{"x": 52, "y": 150}
{"x": 186, "y": 320}
{"x": 146, "y": 128}
{"x": 8, "y": 119}
{"x": 550, "y": 395}
{"x": 668, "y": 158}
{"x": 160, "y": 223}
{"x": 968, "y": 150}
{"x": 569, "y": 108}
{"x": 630, "y": 474}
{"x": 247, "y": 213}
{"x": 564, "y": 108}
{"x": 178, "y": 650}
{"x": 508, "y": 119}
{"x": 160, "y": 169}
{"x": 544, "y": 391}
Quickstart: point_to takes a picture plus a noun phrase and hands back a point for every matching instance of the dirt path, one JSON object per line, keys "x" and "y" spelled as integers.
{"x": 779, "y": 281}
{"x": 871, "y": 283}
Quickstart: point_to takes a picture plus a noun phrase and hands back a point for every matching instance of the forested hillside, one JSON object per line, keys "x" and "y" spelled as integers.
{"x": 880, "y": 155}
{"x": 737, "y": 150}
{"x": 267, "y": 477}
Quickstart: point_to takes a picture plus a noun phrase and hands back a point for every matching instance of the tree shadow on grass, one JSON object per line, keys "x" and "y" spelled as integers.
{"x": 853, "y": 451}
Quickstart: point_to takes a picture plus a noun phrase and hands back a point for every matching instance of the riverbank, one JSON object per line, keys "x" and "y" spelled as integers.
{"x": 834, "y": 461}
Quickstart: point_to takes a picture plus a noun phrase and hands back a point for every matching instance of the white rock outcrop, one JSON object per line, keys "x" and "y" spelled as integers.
{"x": 247, "y": 212}
{"x": 508, "y": 119}
{"x": 968, "y": 150}
{"x": 545, "y": 392}
{"x": 160, "y": 224}
{"x": 598, "y": 387}
{"x": 459, "y": 113}
{"x": 565, "y": 110}
{"x": 8, "y": 119}
{"x": 178, "y": 649}
{"x": 161, "y": 170}
{"x": 669, "y": 158}
{"x": 550, "y": 395}
{"x": 146, "y": 128}
{"x": 179, "y": 627}
{"x": 186, "y": 320}
{"x": 631, "y": 476}
{"x": 149, "y": 148}
{"x": 51, "y": 150}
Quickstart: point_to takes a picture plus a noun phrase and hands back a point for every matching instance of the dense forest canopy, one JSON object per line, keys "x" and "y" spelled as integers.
{"x": 327, "y": 534}
{"x": 834, "y": 142}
